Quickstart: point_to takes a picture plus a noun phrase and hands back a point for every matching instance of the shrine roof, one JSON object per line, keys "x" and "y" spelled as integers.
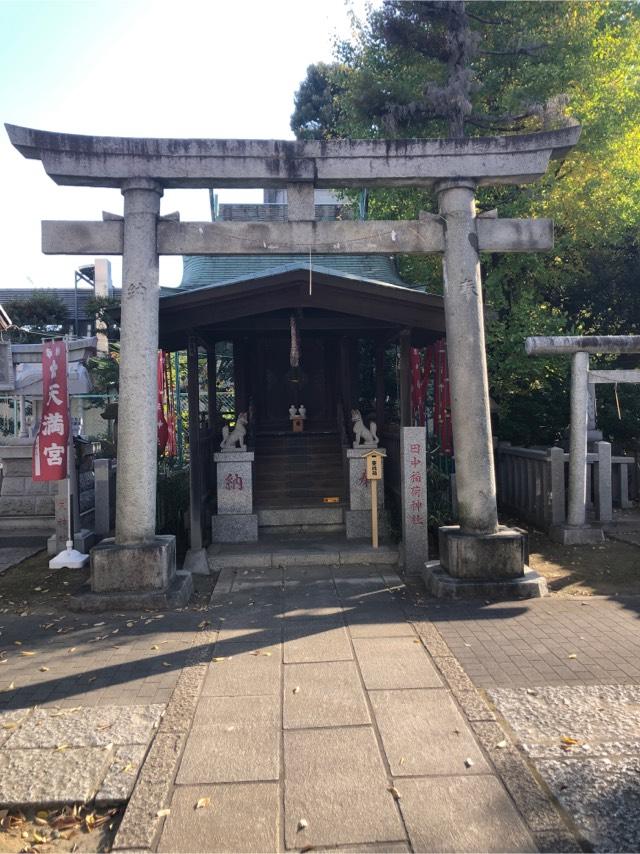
{"x": 203, "y": 271}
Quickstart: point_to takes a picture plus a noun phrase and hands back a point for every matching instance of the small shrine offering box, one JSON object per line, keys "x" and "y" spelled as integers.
{"x": 298, "y": 424}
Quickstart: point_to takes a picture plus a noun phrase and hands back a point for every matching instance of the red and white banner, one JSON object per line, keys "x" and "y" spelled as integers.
{"x": 52, "y": 442}
{"x": 163, "y": 427}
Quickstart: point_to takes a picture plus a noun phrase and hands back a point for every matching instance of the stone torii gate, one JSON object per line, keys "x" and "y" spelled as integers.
{"x": 577, "y": 531}
{"x": 143, "y": 168}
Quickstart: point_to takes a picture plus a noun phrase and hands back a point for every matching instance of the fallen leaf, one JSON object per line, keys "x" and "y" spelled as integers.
{"x": 43, "y": 669}
{"x": 155, "y": 646}
{"x": 26, "y": 652}
{"x": 219, "y": 658}
{"x": 166, "y": 664}
{"x": 128, "y": 768}
{"x": 92, "y": 679}
{"x": 566, "y": 739}
{"x": 10, "y": 687}
{"x": 61, "y": 747}
{"x": 17, "y": 643}
{"x": 394, "y": 792}
{"x": 502, "y": 744}
{"x": 296, "y": 690}
{"x": 572, "y": 655}
{"x": 302, "y": 824}
{"x": 162, "y": 813}
{"x": 469, "y": 762}
{"x": 201, "y": 803}
{"x": 72, "y": 649}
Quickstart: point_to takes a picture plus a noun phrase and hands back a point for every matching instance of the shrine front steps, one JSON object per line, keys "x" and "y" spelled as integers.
{"x": 319, "y": 519}
{"x": 271, "y": 552}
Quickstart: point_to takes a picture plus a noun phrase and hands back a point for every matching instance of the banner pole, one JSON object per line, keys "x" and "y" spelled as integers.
{"x": 70, "y": 558}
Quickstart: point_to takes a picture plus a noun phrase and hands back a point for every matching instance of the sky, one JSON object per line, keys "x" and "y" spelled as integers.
{"x": 193, "y": 68}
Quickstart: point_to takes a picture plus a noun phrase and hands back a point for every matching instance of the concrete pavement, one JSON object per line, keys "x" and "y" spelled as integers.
{"x": 320, "y": 720}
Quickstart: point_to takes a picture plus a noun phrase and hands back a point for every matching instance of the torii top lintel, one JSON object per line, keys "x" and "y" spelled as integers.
{"x": 103, "y": 161}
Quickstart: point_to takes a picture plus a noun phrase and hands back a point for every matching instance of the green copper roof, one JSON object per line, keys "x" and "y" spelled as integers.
{"x": 201, "y": 271}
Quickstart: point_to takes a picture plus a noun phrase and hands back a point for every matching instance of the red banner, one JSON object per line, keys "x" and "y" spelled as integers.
{"x": 50, "y": 449}
{"x": 163, "y": 427}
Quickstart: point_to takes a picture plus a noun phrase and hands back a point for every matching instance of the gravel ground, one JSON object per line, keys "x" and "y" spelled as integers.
{"x": 585, "y": 743}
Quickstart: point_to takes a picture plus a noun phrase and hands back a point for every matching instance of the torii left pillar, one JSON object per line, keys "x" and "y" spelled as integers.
{"x": 138, "y": 564}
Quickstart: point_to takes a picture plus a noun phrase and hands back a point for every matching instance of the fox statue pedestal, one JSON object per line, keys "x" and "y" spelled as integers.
{"x": 235, "y": 521}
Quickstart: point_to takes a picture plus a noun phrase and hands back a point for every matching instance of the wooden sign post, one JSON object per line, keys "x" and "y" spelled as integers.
{"x": 374, "y": 474}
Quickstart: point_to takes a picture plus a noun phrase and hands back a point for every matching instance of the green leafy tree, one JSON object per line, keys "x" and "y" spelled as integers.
{"x": 41, "y": 313}
{"x": 452, "y": 69}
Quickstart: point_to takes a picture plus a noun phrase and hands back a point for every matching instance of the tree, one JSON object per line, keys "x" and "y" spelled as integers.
{"x": 40, "y": 313}
{"x": 448, "y": 68}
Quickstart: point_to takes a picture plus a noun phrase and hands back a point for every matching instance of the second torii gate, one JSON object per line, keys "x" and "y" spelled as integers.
{"x": 143, "y": 168}
{"x": 577, "y": 531}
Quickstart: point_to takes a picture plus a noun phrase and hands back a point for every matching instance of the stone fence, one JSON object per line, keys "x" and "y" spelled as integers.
{"x": 532, "y": 484}
{"x": 93, "y": 492}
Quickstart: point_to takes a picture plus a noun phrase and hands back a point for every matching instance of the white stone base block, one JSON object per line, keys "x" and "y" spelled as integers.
{"x": 235, "y": 528}
{"x": 576, "y": 535}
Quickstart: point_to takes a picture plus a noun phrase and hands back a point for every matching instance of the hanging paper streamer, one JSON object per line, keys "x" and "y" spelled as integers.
{"x": 51, "y": 447}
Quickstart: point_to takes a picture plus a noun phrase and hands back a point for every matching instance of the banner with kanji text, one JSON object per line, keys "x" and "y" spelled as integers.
{"x": 51, "y": 447}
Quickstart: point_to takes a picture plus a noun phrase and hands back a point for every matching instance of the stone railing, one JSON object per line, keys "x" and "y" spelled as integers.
{"x": 532, "y": 484}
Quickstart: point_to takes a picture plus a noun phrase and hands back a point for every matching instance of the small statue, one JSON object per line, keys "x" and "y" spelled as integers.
{"x": 303, "y": 411}
{"x": 236, "y": 436}
{"x": 292, "y": 412}
{"x": 366, "y": 438}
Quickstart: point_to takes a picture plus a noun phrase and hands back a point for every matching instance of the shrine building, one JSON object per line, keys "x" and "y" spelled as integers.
{"x": 321, "y": 334}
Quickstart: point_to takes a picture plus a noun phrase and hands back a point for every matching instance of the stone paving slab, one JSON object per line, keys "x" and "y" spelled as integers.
{"x": 122, "y": 774}
{"x": 378, "y": 621}
{"x": 51, "y": 777}
{"x": 462, "y": 814}
{"x": 316, "y": 639}
{"x": 327, "y": 694}
{"x": 335, "y": 781}
{"x": 87, "y": 727}
{"x": 242, "y": 670}
{"x": 596, "y": 778}
{"x": 423, "y": 733}
{"x": 243, "y": 817}
{"x": 233, "y": 739}
{"x": 395, "y": 663}
{"x": 230, "y": 755}
{"x": 604, "y": 719}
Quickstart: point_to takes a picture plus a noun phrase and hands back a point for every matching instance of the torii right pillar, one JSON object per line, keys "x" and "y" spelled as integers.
{"x": 478, "y": 557}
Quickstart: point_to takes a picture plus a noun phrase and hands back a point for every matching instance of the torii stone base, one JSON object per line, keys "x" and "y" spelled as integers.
{"x": 141, "y": 576}
{"x": 482, "y": 565}
{"x": 576, "y": 535}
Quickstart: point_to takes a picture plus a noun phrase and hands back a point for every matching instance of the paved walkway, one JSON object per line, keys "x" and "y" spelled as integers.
{"x": 564, "y": 675}
{"x": 322, "y": 721}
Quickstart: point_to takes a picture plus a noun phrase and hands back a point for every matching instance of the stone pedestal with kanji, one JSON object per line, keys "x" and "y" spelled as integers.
{"x": 358, "y": 514}
{"x": 235, "y": 521}
{"x": 413, "y": 484}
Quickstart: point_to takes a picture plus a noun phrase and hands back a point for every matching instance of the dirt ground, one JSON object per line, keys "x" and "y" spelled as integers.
{"x": 32, "y": 587}
{"x": 80, "y": 829}
{"x": 609, "y": 569}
